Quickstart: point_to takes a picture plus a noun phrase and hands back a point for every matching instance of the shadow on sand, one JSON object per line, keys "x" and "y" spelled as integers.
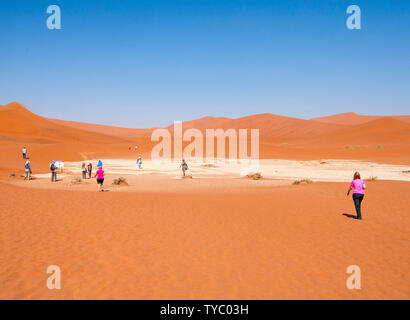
{"x": 352, "y": 216}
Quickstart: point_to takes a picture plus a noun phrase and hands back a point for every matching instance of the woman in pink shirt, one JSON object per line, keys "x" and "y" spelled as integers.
{"x": 358, "y": 186}
{"x": 100, "y": 179}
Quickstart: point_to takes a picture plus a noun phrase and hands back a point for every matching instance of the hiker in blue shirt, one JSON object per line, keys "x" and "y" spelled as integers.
{"x": 27, "y": 169}
{"x": 99, "y": 164}
{"x": 24, "y": 153}
{"x": 139, "y": 162}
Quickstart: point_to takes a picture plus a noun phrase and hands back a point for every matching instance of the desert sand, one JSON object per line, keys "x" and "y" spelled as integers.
{"x": 217, "y": 235}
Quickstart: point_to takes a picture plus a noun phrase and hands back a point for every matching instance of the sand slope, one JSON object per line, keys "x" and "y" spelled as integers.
{"x": 284, "y": 242}
{"x": 352, "y": 118}
{"x": 269, "y": 125}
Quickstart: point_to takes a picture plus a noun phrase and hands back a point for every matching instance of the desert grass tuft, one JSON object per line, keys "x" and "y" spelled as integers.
{"x": 208, "y": 165}
{"x": 254, "y": 176}
{"x": 76, "y": 180}
{"x": 120, "y": 181}
{"x": 302, "y": 181}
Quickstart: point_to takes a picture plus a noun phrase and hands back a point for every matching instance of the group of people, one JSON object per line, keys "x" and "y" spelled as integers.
{"x": 87, "y": 169}
{"x": 357, "y": 185}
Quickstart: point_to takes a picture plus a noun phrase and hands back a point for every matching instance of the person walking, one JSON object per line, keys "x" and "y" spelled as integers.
{"x": 100, "y": 179}
{"x": 89, "y": 169}
{"x": 53, "y": 169}
{"x": 24, "y": 153}
{"x": 184, "y": 167}
{"x": 358, "y": 186}
{"x": 100, "y": 164}
{"x": 27, "y": 169}
{"x": 84, "y": 171}
{"x": 139, "y": 162}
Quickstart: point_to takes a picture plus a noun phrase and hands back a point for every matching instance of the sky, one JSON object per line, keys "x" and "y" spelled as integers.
{"x": 147, "y": 63}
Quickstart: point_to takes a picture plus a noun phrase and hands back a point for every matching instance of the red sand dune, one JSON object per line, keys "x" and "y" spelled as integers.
{"x": 103, "y": 129}
{"x": 269, "y": 125}
{"x": 352, "y": 118}
{"x": 47, "y": 140}
{"x": 382, "y": 130}
{"x": 18, "y": 123}
{"x": 280, "y": 137}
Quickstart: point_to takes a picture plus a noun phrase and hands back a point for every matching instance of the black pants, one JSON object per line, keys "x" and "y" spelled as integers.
{"x": 53, "y": 176}
{"x": 358, "y": 198}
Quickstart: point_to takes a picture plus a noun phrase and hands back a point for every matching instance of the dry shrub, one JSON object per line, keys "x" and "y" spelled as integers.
{"x": 254, "y": 176}
{"x": 76, "y": 180}
{"x": 120, "y": 182}
{"x": 208, "y": 165}
{"x": 302, "y": 181}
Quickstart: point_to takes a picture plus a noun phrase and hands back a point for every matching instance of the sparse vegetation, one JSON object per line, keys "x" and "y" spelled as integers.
{"x": 371, "y": 178}
{"x": 348, "y": 147}
{"x": 12, "y": 175}
{"x": 254, "y": 176}
{"x": 120, "y": 181}
{"x": 357, "y": 147}
{"x": 76, "y": 180}
{"x": 302, "y": 181}
{"x": 408, "y": 171}
{"x": 208, "y": 165}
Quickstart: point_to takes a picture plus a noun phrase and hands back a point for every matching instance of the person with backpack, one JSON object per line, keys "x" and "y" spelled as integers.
{"x": 24, "y": 153}
{"x": 358, "y": 186}
{"x": 27, "y": 169}
{"x": 53, "y": 169}
{"x": 100, "y": 179}
{"x": 184, "y": 167}
{"x": 89, "y": 169}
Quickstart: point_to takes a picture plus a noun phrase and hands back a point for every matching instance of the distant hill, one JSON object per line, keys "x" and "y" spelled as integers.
{"x": 352, "y": 118}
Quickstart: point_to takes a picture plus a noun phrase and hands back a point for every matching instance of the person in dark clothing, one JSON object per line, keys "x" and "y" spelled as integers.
{"x": 53, "y": 169}
{"x": 358, "y": 186}
{"x": 90, "y": 170}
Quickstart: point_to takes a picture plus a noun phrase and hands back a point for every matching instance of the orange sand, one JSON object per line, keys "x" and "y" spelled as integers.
{"x": 264, "y": 243}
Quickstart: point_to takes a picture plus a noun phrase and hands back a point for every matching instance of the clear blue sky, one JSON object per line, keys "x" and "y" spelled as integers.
{"x": 148, "y": 63}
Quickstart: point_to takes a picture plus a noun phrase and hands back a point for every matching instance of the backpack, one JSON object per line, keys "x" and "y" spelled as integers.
{"x": 53, "y": 167}
{"x": 27, "y": 166}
